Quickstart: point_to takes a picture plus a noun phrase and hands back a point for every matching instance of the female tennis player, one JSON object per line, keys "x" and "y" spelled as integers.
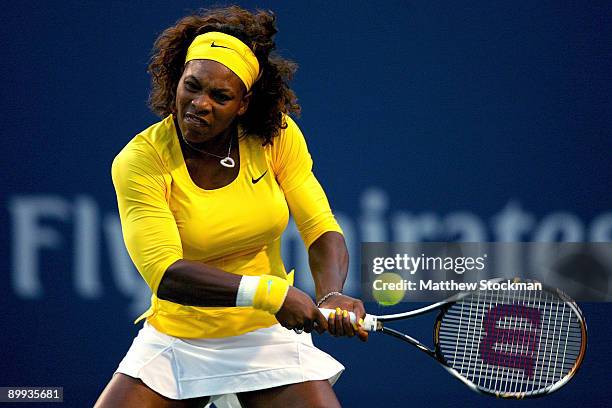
{"x": 203, "y": 197}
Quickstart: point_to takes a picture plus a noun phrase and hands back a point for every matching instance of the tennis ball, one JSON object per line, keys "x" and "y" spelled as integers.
{"x": 388, "y": 289}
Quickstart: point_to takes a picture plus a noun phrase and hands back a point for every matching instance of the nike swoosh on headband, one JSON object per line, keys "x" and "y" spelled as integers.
{"x": 218, "y": 46}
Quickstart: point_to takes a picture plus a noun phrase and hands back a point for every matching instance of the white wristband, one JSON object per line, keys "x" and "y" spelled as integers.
{"x": 246, "y": 290}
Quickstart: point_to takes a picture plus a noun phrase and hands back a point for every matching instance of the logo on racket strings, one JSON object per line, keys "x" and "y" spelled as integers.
{"x": 514, "y": 345}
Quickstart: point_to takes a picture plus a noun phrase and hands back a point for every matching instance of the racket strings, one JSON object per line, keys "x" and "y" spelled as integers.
{"x": 511, "y": 342}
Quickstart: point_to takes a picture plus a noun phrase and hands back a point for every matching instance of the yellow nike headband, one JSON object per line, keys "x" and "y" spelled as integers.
{"x": 226, "y": 50}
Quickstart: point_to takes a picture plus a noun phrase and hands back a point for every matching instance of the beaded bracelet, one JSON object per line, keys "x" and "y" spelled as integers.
{"x": 324, "y": 298}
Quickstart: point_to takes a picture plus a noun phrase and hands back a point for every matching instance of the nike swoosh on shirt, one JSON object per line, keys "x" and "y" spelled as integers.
{"x": 254, "y": 181}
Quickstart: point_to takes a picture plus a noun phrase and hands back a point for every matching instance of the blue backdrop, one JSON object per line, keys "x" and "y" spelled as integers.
{"x": 427, "y": 121}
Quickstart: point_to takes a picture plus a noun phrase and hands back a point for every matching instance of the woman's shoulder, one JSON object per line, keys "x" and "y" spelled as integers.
{"x": 291, "y": 130}
{"x": 152, "y": 145}
{"x": 288, "y": 149}
{"x": 289, "y": 134}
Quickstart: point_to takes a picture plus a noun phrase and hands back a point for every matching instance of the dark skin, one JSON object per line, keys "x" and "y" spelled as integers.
{"x": 328, "y": 259}
{"x": 125, "y": 391}
{"x": 209, "y": 99}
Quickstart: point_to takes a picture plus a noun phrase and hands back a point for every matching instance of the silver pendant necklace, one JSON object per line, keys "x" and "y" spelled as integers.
{"x": 226, "y": 161}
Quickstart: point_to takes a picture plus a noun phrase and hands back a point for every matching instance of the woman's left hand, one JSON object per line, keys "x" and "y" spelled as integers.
{"x": 339, "y": 322}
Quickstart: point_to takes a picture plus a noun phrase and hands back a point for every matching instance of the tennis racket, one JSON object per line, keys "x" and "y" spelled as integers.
{"x": 506, "y": 343}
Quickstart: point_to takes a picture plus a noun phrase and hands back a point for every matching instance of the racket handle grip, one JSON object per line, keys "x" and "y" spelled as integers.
{"x": 369, "y": 321}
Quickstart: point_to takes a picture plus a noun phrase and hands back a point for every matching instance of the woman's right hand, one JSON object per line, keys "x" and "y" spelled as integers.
{"x": 299, "y": 312}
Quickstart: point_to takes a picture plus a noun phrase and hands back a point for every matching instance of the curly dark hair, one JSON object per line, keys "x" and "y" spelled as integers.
{"x": 271, "y": 95}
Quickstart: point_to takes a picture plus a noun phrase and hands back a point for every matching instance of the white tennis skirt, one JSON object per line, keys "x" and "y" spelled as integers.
{"x": 180, "y": 368}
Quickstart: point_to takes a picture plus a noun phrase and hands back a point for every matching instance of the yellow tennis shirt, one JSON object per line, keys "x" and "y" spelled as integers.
{"x": 165, "y": 217}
